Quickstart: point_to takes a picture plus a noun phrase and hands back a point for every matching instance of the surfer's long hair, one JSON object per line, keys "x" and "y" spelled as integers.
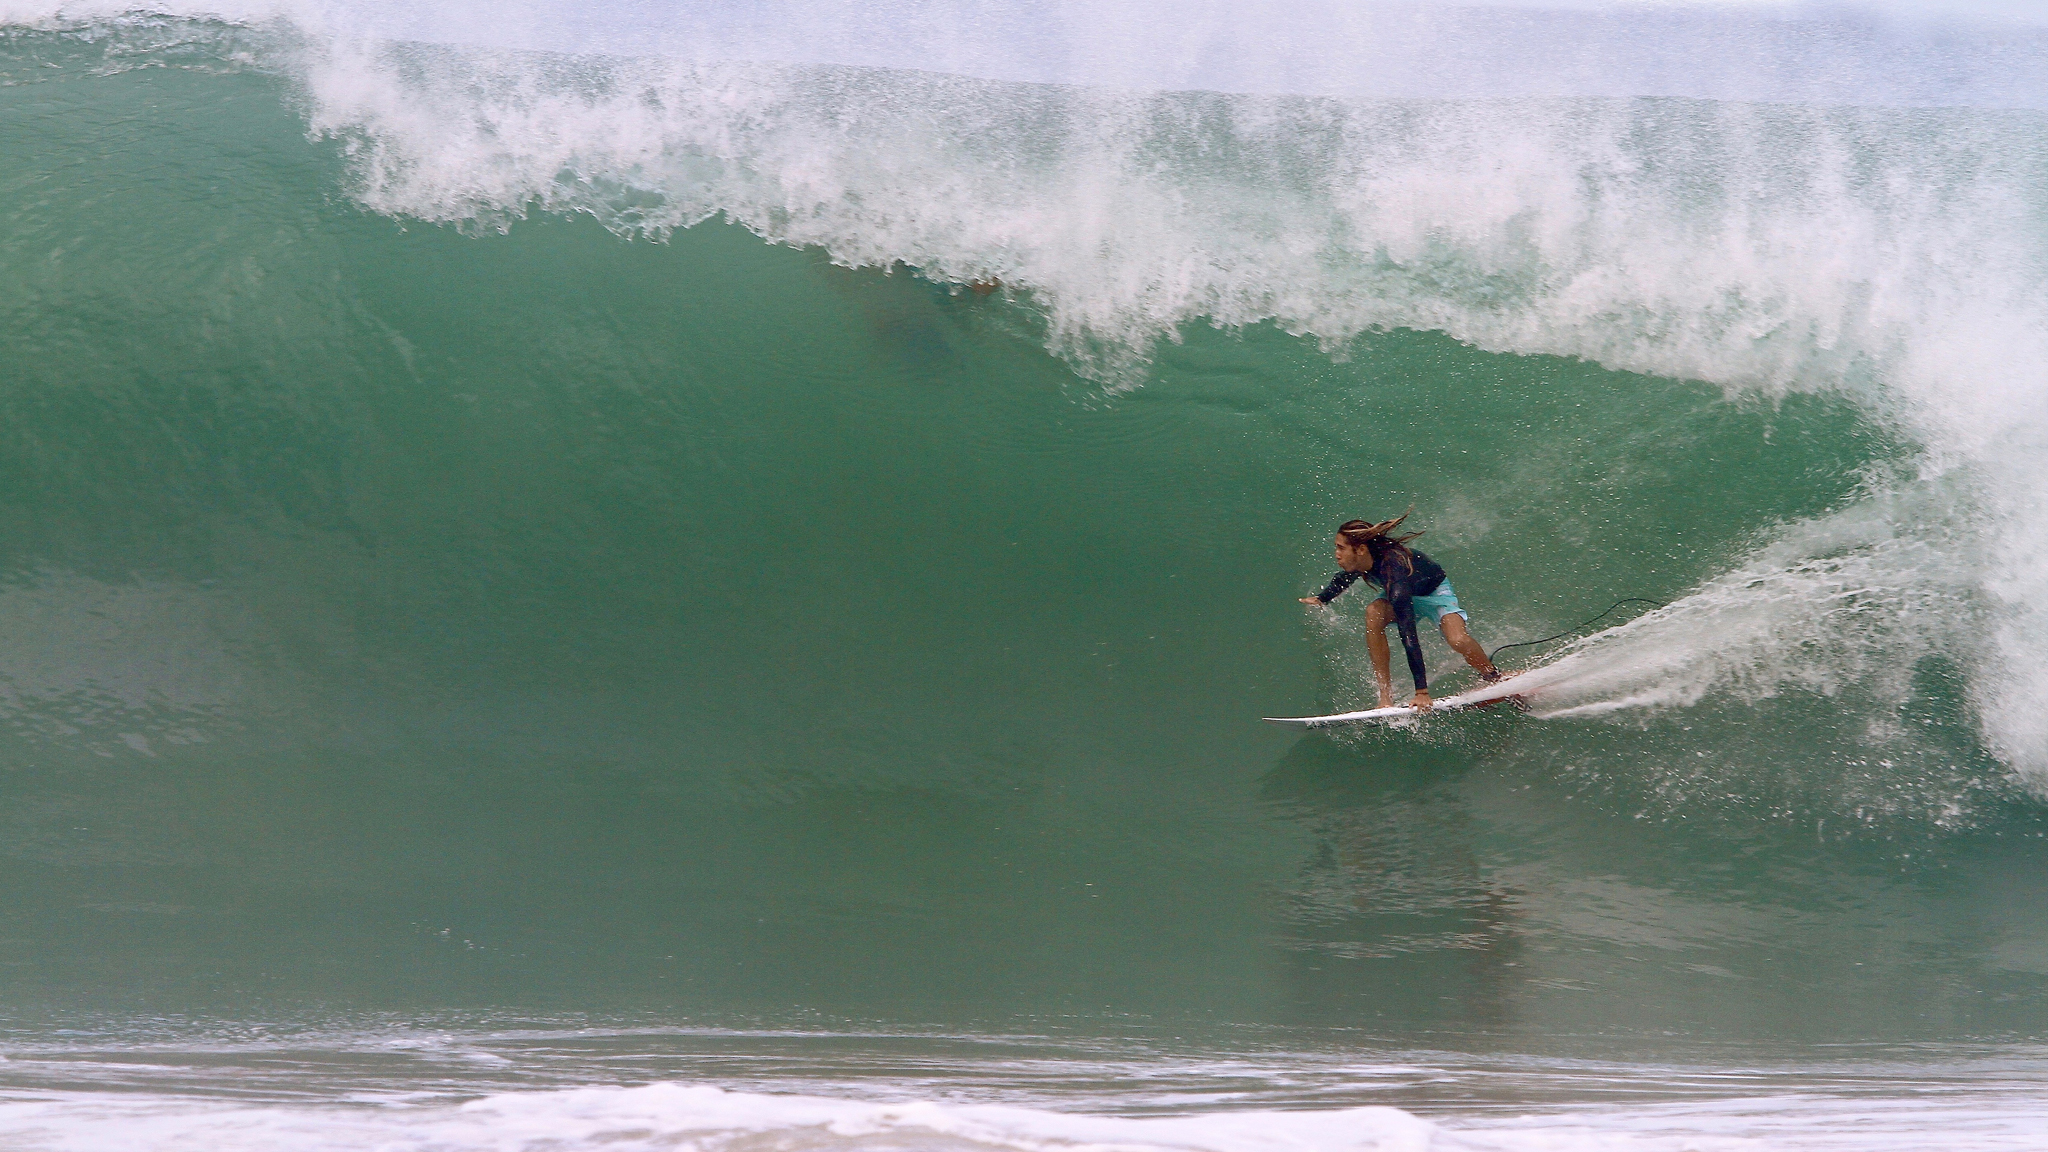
{"x": 1379, "y": 540}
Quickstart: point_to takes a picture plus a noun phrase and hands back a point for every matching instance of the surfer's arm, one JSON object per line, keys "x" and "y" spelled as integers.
{"x": 1402, "y": 600}
{"x": 1333, "y": 589}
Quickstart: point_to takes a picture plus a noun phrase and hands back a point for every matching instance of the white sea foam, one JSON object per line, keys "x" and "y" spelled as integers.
{"x": 707, "y": 1119}
{"x": 287, "y": 1085}
{"x": 1824, "y": 241}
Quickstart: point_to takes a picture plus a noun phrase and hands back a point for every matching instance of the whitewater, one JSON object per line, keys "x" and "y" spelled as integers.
{"x": 451, "y": 1089}
{"x": 701, "y": 575}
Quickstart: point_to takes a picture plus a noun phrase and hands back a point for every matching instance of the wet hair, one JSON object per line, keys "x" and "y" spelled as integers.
{"x": 1377, "y": 539}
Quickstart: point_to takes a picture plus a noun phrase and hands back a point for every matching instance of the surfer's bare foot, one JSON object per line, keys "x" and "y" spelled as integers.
{"x": 1496, "y": 676}
{"x": 1421, "y": 702}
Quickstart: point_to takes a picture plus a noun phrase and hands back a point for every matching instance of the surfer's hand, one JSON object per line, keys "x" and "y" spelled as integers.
{"x": 1314, "y": 601}
{"x": 1421, "y": 702}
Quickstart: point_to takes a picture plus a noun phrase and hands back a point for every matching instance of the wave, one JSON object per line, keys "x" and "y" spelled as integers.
{"x": 1895, "y": 255}
{"x": 1892, "y": 254}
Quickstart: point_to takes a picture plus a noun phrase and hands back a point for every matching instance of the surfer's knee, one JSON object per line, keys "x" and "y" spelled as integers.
{"x": 1379, "y": 614}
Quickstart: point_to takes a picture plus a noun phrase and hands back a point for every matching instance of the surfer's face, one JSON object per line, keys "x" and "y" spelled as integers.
{"x": 1353, "y": 559}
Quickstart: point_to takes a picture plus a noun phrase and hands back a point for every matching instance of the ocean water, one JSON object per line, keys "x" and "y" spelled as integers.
{"x": 666, "y": 576}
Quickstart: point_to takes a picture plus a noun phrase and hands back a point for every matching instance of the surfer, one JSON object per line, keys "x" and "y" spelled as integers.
{"x": 1411, "y": 585}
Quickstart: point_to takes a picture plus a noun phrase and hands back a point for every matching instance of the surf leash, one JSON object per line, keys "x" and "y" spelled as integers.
{"x": 1495, "y": 654}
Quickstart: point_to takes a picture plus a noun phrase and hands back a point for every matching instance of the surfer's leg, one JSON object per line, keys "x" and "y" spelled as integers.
{"x": 1461, "y": 642}
{"x": 1378, "y": 615}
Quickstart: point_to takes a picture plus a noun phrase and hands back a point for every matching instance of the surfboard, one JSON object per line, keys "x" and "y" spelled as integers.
{"x": 1464, "y": 701}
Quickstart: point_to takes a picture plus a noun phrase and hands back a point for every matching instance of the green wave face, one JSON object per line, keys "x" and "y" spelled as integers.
{"x": 401, "y": 613}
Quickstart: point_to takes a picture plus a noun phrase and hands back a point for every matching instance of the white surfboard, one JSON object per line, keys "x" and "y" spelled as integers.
{"x": 1477, "y": 698}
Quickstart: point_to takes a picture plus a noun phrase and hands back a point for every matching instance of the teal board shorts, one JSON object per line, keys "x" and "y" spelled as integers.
{"x": 1438, "y": 604}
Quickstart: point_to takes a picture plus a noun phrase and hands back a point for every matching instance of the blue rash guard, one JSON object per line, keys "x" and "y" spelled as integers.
{"x": 1400, "y": 584}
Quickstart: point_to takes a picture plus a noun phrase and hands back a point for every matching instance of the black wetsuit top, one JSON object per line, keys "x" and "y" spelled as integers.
{"x": 1400, "y": 586}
